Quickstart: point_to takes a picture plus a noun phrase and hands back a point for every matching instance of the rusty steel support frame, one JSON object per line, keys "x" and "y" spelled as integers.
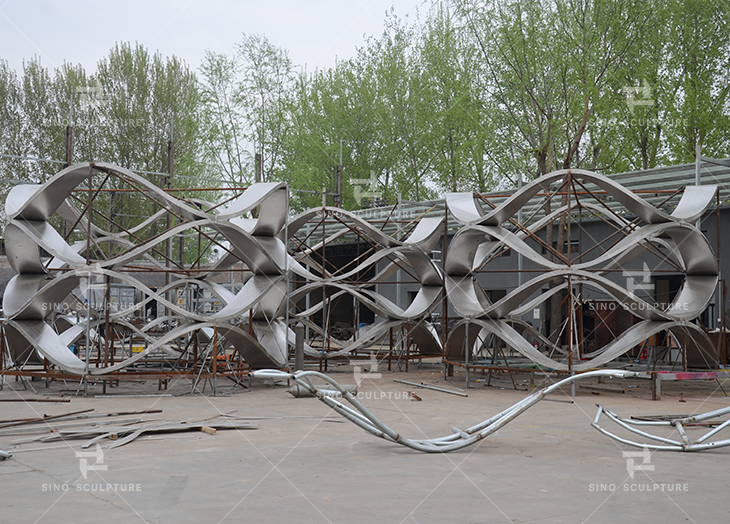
{"x": 102, "y": 350}
{"x": 334, "y": 217}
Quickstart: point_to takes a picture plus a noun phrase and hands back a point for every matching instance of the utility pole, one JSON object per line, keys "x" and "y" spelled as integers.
{"x": 259, "y": 168}
{"x": 338, "y": 196}
{"x": 168, "y": 185}
{"x": 70, "y": 134}
{"x": 338, "y": 201}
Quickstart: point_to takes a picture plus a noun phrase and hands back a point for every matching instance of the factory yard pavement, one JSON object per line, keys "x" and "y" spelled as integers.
{"x": 305, "y": 464}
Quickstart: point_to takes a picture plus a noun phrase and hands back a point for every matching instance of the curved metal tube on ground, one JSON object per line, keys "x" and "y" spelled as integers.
{"x": 678, "y": 423}
{"x": 458, "y": 439}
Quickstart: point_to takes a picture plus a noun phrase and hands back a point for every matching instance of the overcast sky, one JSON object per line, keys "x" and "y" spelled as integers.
{"x": 82, "y": 31}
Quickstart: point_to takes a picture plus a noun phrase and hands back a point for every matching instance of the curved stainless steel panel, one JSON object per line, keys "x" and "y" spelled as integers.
{"x": 483, "y": 236}
{"x": 33, "y": 294}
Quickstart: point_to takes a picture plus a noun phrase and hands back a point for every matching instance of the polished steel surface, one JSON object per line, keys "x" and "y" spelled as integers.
{"x": 272, "y": 247}
{"x": 35, "y": 294}
{"x": 484, "y": 234}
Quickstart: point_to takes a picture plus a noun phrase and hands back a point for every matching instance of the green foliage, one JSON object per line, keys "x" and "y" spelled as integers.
{"x": 246, "y": 109}
{"x": 471, "y": 96}
{"x": 122, "y": 114}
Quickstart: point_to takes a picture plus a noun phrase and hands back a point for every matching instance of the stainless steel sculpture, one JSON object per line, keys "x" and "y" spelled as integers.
{"x": 411, "y": 253}
{"x": 36, "y": 292}
{"x": 484, "y": 234}
{"x": 36, "y": 328}
{"x": 271, "y": 248}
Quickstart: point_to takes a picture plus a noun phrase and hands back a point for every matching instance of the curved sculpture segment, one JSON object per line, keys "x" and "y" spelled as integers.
{"x": 484, "y": 235}
{"x": 43, "y": 289}
{"x": 386, "y": 255}
{"x": 362, "y": 417}
{"x": 640, "y": 427}
{"x": 254, "y": 233}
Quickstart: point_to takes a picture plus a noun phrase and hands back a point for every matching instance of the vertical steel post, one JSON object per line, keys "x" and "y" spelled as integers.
{"x": 70, "y": 133}
{"x": 168, "y": 185}
{"x": 89, "y": 216}
{"x": 519, "y": 221}
{"x": 107, "y": 300}
{"x": 338, "y": 203}
{"x": 287, "y": 292}
{"x": 467, "y": 350}
{"x": 2, "y": 355}
{"x": 698, "y": 162}
{"x": 444, "y": 300}
{"x": 399, "y": 273}
{"x": 307, "y": 300}
{"x": 215, "y": 360}
{"x": 299, "y": 347}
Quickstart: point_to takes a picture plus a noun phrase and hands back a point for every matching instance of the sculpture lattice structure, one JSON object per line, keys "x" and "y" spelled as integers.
{"x": 39, "y": 300}
{"x": 483, "y": 234}
{"x": 268, "y": 247}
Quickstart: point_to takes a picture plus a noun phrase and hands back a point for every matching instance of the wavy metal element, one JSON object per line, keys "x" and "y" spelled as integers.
{"x": 410, "y": 254}
{"x": 458, "y": 439}
{"x": 462, "y": 438}
{"x": 40, "y": 287}
{"x": 677, "y": 423}
{"x": 483, "y": 236}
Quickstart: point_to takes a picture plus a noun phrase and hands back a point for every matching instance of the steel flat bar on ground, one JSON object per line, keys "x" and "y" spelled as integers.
{"x": 35, "y": 400}
{"x": 96, "y": 415}
{"x": 44, "y": 419}
{"x": 426, "y": 386}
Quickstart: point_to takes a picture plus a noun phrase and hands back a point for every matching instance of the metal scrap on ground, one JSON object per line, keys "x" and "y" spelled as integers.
{"x": 121, "y": 432}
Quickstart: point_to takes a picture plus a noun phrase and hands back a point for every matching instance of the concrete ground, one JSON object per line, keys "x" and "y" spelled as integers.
{"x": 304, "y": 464}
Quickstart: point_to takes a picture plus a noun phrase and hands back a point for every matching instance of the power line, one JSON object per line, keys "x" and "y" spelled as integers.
{"x": 17, "y": 157}
{"x": 33, "y": 158}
